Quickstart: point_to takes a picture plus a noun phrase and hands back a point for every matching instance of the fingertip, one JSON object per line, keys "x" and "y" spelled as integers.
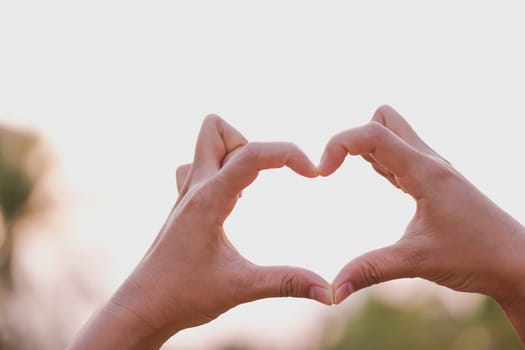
{"x": 307, "y": 168}
{"x": 312, "y": 171}
{"x": 301, "y": 164}
{"x": 321, "y": 167}
{"x": 309, "y": 171}
{"x": 377, "y": 266}
{"x": 385, "y": 109}
{"x": 342, "y": 292}
{"x": 333, "y": 156}
{"x": 323, "y": 171}
{"x": 326, "y": 167}
{"x": 322, "y": 295}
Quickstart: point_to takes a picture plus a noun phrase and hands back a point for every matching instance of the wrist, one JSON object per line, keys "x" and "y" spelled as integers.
{"x": 504, "y": 267}
{"x": 115, "y": 326}
{"x": 515, "y": 310}
{"x": 511, "y": 295}
{"x": 124, "y": 322}
{"x": 153, "y": 323}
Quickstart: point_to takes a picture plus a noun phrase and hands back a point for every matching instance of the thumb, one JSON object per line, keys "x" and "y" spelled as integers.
{"x": 374, "y": 267}
{"x": 286, "y": 281}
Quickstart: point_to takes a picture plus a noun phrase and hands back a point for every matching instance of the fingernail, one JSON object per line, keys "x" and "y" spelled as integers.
{"x": 322, "y": 295}
{"x": 343, "y": 292}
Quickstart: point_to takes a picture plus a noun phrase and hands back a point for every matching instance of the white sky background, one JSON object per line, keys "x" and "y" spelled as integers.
{"x": 120, "y": 88}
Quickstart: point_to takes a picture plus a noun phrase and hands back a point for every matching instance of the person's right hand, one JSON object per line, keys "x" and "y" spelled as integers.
{"x": 458, "y": 237}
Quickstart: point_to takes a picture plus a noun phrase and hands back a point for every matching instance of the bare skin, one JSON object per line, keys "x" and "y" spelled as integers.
{"x": 192, "y": 273}
{"x": 457, "y": 238}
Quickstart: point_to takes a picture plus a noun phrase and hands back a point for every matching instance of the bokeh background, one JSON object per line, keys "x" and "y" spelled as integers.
{"x": 100, "y": 101}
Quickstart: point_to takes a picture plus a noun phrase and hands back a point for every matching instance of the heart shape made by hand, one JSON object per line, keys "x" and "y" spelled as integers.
{"x": 192, "y": 273}
{"x": 317, "y": 223}
{"x": 226, "y": 159}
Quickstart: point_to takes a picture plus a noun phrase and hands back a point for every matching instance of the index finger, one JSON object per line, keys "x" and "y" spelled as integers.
{"x": 388, "y": 149}
{"x": 392, "y": 120}
{"x": 244, "y": 166}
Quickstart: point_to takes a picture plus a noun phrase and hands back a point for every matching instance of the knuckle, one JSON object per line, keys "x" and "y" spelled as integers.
{"x": 199, "y": 200}
{"x": 339, "y": 140}
{"x": 371, "y": 273}
{"x": 375, "y": 131}
{"x": 414, "y": 259}
{"x": 414, "y": 253}
{"x": 336, "y": 141}
{"x": 250, "y": 151}
{"x": 288, "y": 149}
{"x": 289, "y": 285}
{"x": 440, "y": 171}
{"x": 291, "y": 146}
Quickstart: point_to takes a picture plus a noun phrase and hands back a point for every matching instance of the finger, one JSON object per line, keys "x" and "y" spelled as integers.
{"x": 242, "y": 169}
{"x": 377, "y": 167}
{"x": 227, "y": 159}
{"x": 182, "y": 174}
{"x": 375, "y": 267}
{"x": 285, "y": 281}
{"x": 216, "y": 140}
{"x": 183, "y": 171}
{"x": 230, "y": 155}
{"x": 392, "y": 120}
{"x": 368, "y": 158}
{"x": 388, "y": 149}
{"x": 381, "y": 170}
{"x": 387, "y": 175}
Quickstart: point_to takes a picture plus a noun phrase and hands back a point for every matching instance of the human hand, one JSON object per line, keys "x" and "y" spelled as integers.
{"x": 192, "y": 273}
{"x": 457, "y": 238}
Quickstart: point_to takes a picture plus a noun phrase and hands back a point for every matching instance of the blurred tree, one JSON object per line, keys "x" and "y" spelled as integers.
{"x": 18, "y": 178}
{"x": 380, "y": 326}
{"x": 22, "y": 166}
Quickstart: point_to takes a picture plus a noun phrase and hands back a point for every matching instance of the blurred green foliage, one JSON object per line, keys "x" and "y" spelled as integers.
{"x": 380, "y": 325}
{"x": 16, "y": 185}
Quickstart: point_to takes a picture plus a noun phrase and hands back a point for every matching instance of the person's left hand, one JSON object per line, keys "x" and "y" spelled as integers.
{"x": 192, "y": 273}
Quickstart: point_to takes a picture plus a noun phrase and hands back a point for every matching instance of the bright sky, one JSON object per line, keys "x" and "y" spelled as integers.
{"x": 119, "y": 89}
